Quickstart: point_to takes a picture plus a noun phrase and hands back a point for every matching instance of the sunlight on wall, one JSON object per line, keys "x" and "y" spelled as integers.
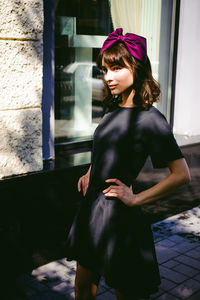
{"x": 21, "y": 63}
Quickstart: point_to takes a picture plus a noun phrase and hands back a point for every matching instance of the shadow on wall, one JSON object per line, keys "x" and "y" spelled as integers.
{"x": 22, "y": 142}
{"x": 21, "y": 115}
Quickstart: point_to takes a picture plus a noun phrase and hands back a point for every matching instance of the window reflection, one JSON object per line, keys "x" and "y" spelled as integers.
{"x": 80, "y": 29}
{"x": 79, "y": 32}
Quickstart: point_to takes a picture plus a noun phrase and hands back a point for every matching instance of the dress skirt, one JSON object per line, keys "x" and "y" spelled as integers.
{"x": 114, "y": 241}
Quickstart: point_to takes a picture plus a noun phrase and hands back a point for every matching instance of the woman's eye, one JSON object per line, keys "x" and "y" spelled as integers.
{"x": 116, "y": 68}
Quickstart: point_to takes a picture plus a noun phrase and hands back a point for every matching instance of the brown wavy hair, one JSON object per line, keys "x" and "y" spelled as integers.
{"x": 147, "y": 89}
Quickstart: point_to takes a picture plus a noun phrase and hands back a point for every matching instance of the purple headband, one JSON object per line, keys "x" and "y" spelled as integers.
{"x": 135, "y": 44}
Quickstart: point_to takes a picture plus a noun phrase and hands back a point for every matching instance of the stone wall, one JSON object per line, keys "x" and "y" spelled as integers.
{"x": 21, "y": 64}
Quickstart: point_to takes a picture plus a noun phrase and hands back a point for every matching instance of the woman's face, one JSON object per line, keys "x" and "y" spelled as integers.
{"x": 118, "y": 78}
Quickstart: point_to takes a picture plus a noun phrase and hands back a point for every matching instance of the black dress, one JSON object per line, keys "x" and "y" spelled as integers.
{"x": 108, "y": 237}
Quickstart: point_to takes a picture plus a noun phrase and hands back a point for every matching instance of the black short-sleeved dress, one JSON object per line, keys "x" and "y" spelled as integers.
{"x": 108, "y": 237}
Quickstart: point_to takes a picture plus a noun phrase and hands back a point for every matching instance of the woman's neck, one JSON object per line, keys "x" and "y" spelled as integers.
{"x": 127, "y": 98}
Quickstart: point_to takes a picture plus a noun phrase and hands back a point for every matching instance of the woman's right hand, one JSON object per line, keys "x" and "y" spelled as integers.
{"x": 83, "y": 182}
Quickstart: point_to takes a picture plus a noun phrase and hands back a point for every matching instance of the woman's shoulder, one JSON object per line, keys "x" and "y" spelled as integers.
{"x": 151, "y": 114}
{"x": 152, "y": 120}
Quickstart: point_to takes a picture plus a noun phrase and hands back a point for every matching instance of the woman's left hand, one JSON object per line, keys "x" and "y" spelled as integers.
{"x": 121, "y": 191}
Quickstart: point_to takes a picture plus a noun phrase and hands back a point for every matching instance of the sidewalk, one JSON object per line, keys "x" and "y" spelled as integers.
{"x": 178, "y": 251}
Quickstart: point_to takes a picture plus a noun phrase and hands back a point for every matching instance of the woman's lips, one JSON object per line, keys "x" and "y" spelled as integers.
{"x": 112, "y": 86}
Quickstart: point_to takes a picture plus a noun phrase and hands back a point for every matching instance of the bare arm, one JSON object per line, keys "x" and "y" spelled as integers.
{"x": 179, "y": 175}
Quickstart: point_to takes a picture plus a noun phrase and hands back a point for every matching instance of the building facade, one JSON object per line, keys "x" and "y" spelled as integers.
{"x": 51, "y": 90}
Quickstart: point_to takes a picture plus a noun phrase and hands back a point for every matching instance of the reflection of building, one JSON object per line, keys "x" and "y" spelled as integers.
{"x": 33, "y": 74}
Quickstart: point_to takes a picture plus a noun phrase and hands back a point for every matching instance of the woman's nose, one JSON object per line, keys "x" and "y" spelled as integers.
{"x": 108, "y": 76}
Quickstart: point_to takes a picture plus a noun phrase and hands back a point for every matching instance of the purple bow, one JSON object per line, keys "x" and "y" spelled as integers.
{"x": 135, "y": 44}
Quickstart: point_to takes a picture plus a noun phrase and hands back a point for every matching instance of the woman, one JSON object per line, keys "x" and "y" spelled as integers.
{"x": 109, "y": 235}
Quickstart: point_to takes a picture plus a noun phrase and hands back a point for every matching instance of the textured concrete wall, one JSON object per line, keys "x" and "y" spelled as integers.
{"x": 21, "y": 63}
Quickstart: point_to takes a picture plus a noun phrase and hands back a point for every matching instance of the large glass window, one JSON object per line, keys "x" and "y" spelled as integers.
{"x": 81, "y": 26}
{"x": 80, "y": 29}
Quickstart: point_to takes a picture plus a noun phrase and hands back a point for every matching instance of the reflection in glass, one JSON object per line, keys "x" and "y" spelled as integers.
{"x": 80, "y": 30}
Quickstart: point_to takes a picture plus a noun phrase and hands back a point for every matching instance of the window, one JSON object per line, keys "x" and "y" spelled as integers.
{"x": 80, "y": 29}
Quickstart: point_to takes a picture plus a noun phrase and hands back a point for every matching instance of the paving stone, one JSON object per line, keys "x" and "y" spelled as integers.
{"x": 52, "y": 267}
{"x": 106, "y": 296}
{"x": 176, "y": 239}
{"x": 194, "y": 253}
{"x": 50, "y": 282}
{"x": 101, "y": 290}
{"x": 197, "y": 277}
{"x": 49, "y": 295}
{"x": 102, "y": 282}
{"x": 66, "y": 276}
{"x": 69, "y": 272}
{"x": 37, "y": 286}
{"x": 161, "y": 230}
{"x": 70, "y": 295}
{"x": 173, "y": 275}
{"x": 167, "y": 296}
{"x": 185, "y": 246}
{"x": 186, "y": 270}
{"x": 157, "y": 237}
{"x": 111, "y": 290}
{"x": 70, "y": 280}
{"x": 186, "y": 289}
{"x": 167, "y": 285}
{"x": 62, "y": 288}
{"x": 198, "y": 248}
{"x": 170, "y": 264}
{"x": 164, "y": 254}
{"x": 166, "y": 243}
{"x": 188, "y": 261}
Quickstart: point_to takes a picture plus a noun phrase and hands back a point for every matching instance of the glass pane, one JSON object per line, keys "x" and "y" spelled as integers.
{"x": 80, "y": 29}
{"x": 154, "y": 20}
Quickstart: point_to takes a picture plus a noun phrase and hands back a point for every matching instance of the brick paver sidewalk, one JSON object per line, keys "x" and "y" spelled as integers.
{"x": 178, "y": 251}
